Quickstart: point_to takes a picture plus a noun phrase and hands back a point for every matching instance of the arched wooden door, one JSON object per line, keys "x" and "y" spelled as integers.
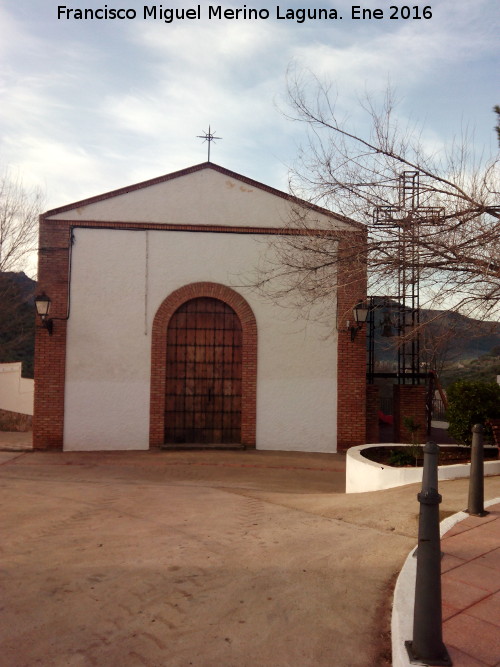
{"x": 203, "y": 374}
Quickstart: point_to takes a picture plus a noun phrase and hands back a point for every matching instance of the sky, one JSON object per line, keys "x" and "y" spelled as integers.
{"x": 87, "y": 106}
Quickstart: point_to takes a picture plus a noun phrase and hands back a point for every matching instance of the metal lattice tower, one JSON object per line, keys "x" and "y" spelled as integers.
{"x": 406, "y": 219}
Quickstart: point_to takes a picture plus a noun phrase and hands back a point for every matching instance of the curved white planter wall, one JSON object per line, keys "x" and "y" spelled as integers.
{"x": 364, "y": 475}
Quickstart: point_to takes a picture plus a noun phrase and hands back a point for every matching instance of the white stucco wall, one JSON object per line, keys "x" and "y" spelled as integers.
{"x": 120, "y": 278}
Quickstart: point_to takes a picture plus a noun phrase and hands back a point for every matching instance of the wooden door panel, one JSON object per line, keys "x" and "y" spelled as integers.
{"x": 203, "y": 374}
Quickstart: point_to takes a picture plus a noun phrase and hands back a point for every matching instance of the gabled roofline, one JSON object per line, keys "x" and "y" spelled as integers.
{"x": 191, "y": 170}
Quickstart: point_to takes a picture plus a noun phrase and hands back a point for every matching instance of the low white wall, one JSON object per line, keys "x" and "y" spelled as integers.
{"x": 16, "y": 392}
{"x": 364, "y": 475}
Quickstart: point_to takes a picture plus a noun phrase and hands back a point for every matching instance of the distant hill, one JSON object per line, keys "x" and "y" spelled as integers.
{"x": 26, "y": 284}
{"x": 471, "y": 338}
{"x": 17, "y": 320}
{"x": 449, "y": 343}
{"x": 485, "y": 368}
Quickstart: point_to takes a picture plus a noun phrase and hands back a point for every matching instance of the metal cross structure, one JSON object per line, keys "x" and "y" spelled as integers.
{"x": 406, "y": 219}
{"x": 208, "y": 137}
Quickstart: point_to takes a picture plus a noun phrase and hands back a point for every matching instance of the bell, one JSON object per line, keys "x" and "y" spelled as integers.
{"x": 387, "y": 326}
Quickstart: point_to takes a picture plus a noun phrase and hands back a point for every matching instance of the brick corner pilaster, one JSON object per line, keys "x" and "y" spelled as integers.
{"x": 351, "y": 357}
{"x": 50, "y": 350}
{"x": 372, "y": 410}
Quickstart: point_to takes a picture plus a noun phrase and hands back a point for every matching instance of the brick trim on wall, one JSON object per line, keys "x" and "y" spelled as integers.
{"x": 50, "y": 351}
{"x": 189, "y": 227}
{"x": 351, "y": 355}
{"x": 372, "y": 410}
{"x": 159, "y": 356}
{"x": 409, "y": 401}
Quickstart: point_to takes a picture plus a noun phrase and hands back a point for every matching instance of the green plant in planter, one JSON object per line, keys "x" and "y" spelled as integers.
{"x": 471, "y": 403}
{"x": 401, "y": 457}
{"x": 414, "y": 449}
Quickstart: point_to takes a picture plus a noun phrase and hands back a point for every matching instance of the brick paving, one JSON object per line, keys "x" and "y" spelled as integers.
{"x": 471, "y": 590}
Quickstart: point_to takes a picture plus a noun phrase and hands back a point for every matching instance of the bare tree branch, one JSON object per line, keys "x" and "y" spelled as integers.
{"x": 458, "y": 253}
{"x": 19, "y": 211}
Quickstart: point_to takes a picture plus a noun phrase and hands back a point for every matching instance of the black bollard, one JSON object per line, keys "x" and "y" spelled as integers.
{"x": 475, "y": 506}
{"x": 427, "y": 647}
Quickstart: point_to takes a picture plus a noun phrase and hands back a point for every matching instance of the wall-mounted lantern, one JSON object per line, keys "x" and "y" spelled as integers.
{"x": 42, "y": 303}
{"x": 360, "y": 311}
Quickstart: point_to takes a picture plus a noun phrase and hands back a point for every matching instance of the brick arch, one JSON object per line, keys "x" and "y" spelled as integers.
{"x": 159, "y": 356}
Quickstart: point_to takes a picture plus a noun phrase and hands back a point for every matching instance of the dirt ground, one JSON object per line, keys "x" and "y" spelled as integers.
{"x": 211, "y": 559}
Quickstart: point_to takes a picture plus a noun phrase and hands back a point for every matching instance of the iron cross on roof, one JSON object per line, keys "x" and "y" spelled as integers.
{"x": 208, "y": 137}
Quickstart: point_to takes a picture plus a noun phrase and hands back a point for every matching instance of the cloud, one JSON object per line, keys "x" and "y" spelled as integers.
{"x": 216, "y": 74}
{"x": 409, "y": 53}
{"x": 91, "y": 106}
{"x": 48, "y": 163}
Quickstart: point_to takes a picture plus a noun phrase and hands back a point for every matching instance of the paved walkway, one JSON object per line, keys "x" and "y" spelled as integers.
{"x": 471, "y": 590}
{"x": 255, "y": 559}
{"x": 470, "y": 586}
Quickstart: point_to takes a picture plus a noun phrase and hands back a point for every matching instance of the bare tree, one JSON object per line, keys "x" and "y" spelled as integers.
{"x": 455, "y": 242}
{"x": 19, "y": 211}
{"x": 437, "y": 347}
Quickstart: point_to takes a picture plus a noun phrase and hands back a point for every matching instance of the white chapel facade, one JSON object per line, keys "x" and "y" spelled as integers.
{"x": 157, "y": 339}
